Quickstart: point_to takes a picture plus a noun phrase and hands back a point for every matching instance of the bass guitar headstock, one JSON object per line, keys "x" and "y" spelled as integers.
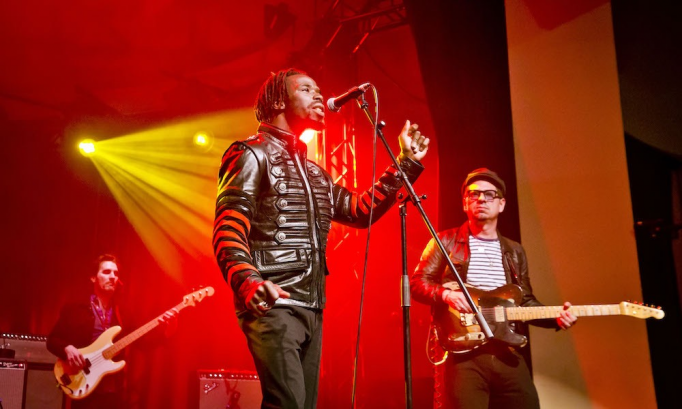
{"x": 197, "y": 296}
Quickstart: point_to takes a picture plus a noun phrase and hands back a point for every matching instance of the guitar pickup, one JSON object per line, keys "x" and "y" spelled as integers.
{"x": 467, "y": 320}
{"x": 470, "y": 336}
{"x": 87, "y": 366}
{"x": 64, "y": 379}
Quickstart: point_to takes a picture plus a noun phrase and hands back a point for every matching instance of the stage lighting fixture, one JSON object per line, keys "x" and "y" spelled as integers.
{"x": 200, "y": 139}
{"x": 308, "y": 135}
{"x": 203, "y": 140}
{"x": 87, "y": 147}
{"x": 163, "y": 179}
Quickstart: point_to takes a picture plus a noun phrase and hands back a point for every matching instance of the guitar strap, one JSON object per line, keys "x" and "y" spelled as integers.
{"x": 509, "y": 261}
{"x": 117, "y": 312}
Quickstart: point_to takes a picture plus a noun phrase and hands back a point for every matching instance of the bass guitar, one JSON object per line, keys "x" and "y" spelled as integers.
{"x": 459, "y": 332}
{"x": 77, "y": 384}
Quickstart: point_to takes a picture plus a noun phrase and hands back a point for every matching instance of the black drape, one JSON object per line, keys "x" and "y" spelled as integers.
{"x": 462, "y": 48}
{"x": 651, "y": 186}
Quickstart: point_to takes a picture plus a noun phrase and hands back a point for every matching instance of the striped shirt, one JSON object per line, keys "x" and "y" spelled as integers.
{"x": 485, "y": 265}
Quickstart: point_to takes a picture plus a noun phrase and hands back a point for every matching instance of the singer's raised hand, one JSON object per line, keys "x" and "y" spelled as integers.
{"x": 413, "y": 144}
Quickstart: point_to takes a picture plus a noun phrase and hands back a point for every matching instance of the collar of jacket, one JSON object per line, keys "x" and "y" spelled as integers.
{"x": 286, "y": 139}
{"x": 463, "y": 237}
{"x": 462, "y": 240}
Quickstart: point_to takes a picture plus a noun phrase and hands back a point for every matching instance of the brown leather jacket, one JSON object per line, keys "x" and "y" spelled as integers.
{"x": 274, "y": 211}
{"x": 432, "y": 270}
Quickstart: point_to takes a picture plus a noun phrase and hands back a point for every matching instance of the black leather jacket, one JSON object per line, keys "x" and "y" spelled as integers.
{"x": 432, "y": 270}
{"x": 274, "y": 211}
{"x": 75, "y": 327}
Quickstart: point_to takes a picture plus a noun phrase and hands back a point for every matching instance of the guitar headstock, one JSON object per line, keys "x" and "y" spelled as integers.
{"x": 640, "y": 310}
{"x": 197, "y": 296}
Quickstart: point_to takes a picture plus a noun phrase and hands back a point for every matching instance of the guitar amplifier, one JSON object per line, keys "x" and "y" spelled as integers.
{"x": 31, "y": 348}
{"x": 40, "y": 389}
{"x": 223, "y": 389}
{"x": 12, "y": 381}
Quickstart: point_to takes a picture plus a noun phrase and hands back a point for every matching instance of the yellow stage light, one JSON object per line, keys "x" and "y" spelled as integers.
{"x": 87, "y": 147}
{"x": 203, "y": 140}
{"x": 165, "y": 182}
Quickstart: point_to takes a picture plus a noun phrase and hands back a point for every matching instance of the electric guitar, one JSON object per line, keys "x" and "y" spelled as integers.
{"x": 77, "y": 384}
{"x": 459, "y": 332}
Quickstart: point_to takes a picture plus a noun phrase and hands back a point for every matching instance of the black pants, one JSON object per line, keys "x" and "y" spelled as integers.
{"x": 492, "y": 376}
{"x": 286, "y": 345}
{"x": 107, "y": 400}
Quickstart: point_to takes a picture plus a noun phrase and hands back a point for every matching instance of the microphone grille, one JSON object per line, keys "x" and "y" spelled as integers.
{"x": 331, "y": 106}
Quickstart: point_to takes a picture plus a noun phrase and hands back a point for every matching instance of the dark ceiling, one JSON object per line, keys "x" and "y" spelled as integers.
{"x": 157, "y": 59}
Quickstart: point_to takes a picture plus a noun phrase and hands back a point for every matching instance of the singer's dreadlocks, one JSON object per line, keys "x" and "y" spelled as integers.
{"x": 273, "y": 91}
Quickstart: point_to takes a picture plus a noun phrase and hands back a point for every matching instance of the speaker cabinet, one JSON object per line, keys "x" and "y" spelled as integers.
{"x": 223, "y": 389}
{"x": 12, "y": 381}
{"x": 42, "y": 391}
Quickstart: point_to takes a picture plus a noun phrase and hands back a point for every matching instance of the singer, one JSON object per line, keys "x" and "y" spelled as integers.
{"x": 273, "y": 212}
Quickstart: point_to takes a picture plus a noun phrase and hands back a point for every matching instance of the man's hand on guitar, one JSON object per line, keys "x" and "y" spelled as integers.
{"x": 456, "y": 299}
{"x": 566, "y": 319}
{"x": 262, "y": 300}
{"x": 74, "y": 358}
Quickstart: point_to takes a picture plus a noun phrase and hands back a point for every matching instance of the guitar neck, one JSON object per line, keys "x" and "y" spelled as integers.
{"x": 121, "y": 344}
{"x": 534, "y": 313}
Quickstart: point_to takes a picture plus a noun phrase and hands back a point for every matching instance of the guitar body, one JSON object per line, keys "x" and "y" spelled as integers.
{"x": 77, "y": 384}
{"x": 461, "y": 333}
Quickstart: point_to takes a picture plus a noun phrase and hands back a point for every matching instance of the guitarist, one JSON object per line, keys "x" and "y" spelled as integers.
{"x": 82, "y": 322}
{"x": 493, "y": 375}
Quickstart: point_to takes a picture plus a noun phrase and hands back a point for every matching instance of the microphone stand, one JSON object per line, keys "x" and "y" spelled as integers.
{"x": 406, "y": 303}
{"x": 416, "y": 201}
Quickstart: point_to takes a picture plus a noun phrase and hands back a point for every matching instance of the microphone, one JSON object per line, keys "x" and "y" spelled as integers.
{"x": 335, "y": 104}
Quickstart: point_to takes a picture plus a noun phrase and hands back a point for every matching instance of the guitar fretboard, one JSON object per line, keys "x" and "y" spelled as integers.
{"x": 122, "y": 343}
{"x": 534, "y": 313}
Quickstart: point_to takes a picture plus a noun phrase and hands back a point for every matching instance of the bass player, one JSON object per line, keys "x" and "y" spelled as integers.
{"x": 81, "y": 323}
